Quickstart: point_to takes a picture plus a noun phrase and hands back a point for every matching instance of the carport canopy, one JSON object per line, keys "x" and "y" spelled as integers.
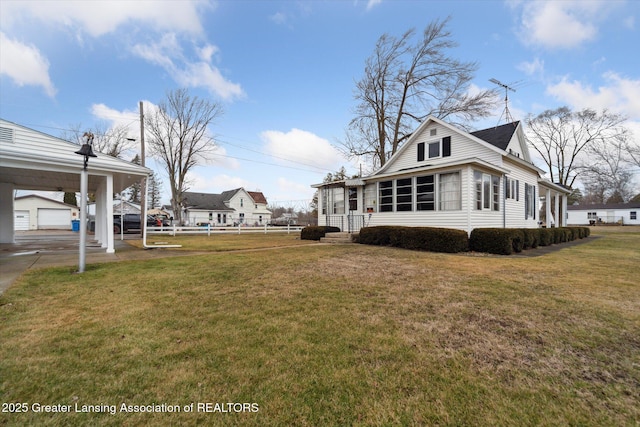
{"x": 32, "y": 160}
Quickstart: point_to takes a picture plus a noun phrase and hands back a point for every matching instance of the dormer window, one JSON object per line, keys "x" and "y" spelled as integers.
{"x": 434, "y": 149}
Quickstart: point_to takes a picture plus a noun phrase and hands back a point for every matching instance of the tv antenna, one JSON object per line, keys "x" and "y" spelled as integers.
{"x": 507, "y": 88}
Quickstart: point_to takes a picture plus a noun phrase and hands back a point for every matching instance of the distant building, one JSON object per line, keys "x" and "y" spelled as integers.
{"x": 600, "y": 214}
{"x": 229, "y": 208}
{"x": 35, "y": 212}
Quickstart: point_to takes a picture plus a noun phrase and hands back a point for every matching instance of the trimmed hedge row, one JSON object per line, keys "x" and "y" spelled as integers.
{"x": 503, "y": 241}
{"x": 416, "y": 238}
{"x": 317, "y": 232}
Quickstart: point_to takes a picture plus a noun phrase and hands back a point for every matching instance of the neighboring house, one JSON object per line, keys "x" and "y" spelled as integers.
{"x": 445, "y": 177}
{"x": 34, "y": 161}
{"x": 618, "y": 213}
{"x": 231, "y": 207}
{"x": 33, "y": 212}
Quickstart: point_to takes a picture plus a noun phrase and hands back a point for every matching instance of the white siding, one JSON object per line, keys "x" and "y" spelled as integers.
{"x": 35, "y": 204}
{"x": 461, "y": 148}
{"x": 515, "y": 217}
{"x": 622, "y": 216}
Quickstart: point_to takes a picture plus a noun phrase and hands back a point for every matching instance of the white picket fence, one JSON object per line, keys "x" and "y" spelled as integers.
{"x": 209, "y": 230}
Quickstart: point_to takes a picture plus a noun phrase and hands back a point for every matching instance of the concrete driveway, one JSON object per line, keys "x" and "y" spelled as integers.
{"x": 47, "y": 248}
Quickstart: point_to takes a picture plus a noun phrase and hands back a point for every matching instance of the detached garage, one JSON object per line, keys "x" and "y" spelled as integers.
{"x": 40, "y": 213}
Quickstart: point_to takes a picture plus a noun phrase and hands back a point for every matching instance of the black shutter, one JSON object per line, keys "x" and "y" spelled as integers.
{"x": 421, "y": 152}
{"x": 533, "y": 188}
{"x": 526, "y": 201}
{"x": 517, "y": 190}
{"x": 446, "y": 146}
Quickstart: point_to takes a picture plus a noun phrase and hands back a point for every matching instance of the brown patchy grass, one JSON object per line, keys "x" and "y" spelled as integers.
{"x": 335, "y": 335}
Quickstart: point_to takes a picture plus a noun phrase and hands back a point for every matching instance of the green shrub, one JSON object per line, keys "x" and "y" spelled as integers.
{"x": 546, "y": 237}
{"x": 502, "y": 241}
{"x": 316, "y": 232}
{"x": 417, "y": 238}
{"x": 531, "y": 237}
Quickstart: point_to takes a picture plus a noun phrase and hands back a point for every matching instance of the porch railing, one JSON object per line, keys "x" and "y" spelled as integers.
{"x": 349, "y": 223}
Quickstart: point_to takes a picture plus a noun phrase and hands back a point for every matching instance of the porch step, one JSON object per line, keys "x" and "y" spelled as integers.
{"x": 339, "y": 237}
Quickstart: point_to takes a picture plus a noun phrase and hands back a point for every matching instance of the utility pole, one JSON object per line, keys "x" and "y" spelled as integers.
{"x": 143, "y": 181}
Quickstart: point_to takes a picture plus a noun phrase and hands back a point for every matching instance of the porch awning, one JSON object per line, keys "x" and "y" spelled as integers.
{"x": 355, "y": 182}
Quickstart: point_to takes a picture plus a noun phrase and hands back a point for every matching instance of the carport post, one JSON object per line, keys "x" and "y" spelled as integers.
{"x": 86, "y": 151}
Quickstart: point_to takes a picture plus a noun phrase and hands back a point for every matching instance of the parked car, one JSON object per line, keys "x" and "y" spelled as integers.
{"x": 131, "y": 223}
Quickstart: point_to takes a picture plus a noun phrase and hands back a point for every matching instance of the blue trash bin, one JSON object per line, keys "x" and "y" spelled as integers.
{"x": 75, "y": 225}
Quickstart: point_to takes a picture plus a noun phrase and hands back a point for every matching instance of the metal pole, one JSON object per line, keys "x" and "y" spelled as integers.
{"x": 83, "y": 219}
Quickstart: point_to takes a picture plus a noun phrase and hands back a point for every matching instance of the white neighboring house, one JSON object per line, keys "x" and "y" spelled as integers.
{"x": 33, "y": 212}
{"x": 445, "y": 177}
{"x": 618, "y": 213}
{"x": 231, "y": 207}
{"x": 32, "y": 160}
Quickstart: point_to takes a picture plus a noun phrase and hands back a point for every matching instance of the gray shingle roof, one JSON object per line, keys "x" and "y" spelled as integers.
{"x": 208, "y": 201}
{"x": 498, "y": 136}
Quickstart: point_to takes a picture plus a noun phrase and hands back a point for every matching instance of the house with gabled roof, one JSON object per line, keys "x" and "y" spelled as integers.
{"x": 232, "y": 207}
{"x": 446, "y": 177}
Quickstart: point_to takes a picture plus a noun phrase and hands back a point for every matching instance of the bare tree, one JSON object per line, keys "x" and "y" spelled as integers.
{"x": 606, "y": 172}
{"x": 111, "y": 140}
{"x": 179, "y": 138}
{"x": 561, "y": 136}
{"x": 404, "y": 81}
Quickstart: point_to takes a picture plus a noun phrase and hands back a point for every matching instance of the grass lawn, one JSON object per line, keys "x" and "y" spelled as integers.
{"x": 331, "y": 335}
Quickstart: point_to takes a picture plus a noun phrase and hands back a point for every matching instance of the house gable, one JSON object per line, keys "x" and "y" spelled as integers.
{"x": 436, "y": 142}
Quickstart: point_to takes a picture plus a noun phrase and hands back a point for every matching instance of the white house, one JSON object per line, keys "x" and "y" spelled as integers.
{"x": 231, "y": 207}
{"x": 445, "y": 177}
{"x": 34, "y": 212}
{"x": 618, "y": 213}
{"x": 32, "y": 160}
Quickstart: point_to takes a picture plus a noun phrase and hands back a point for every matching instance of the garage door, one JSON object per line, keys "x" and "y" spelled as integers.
{"x": 54, "y": 218}
{"x": 21, "y": 220}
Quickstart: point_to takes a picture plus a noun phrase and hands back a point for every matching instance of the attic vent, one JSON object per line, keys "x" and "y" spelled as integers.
{"x": 6, "y": 135}
{"x": 433, "y": 132}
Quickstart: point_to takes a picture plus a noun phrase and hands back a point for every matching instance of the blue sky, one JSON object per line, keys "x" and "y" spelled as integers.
{"x": 285, "y": 71}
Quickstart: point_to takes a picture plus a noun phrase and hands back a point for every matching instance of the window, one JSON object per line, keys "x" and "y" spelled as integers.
{"x": 512, "y": 189}
{"x": 241, "y": 203}
{"x": 425, "y": 193}
{"x": 592, "y": 215}
{"x": 404, "y": 194}
{"x": 370, "y": 198}
{"x": 386, "y": 196}
{"x": 449, "y": 187}
{"x": 353, "y": 199}
{"x": 633, "y": 215}
{"x": 338, "y": 200}
{"x": 487, "y": 190}
{"x": 333, "y": 201}
{"x": 529, "y": 201}
{"x": 434, "y": 149}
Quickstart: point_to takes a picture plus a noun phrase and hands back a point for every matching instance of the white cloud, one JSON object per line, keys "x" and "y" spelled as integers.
{"x": 279, "y": 18}
{"x": 560, "y": 24}
{"x": 168, "y": 54}
{"x": 304, "y": 148}
{"x": 98, "y": 18}
{"x": 25, "y": 65}
{"x": 535, "y": 67}
{"x": 373, "y": 3}
{"x": 618, "y": 94}
{"x": 294, "y": 190}
{"x": 217, "y": 183}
